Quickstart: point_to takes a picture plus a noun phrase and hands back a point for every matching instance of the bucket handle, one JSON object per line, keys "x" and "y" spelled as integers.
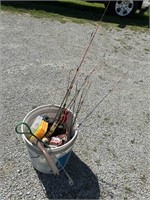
{"x": 40, "y": 144}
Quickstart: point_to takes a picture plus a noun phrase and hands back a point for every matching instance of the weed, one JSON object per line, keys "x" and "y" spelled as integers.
{"x": 95, "y": 149}
{"x": 147, "y": 50}
{"x": 98, "y": 162}
{"x": 128, "y": 189}
{"x": 143, "y": 178}
{"x": 112, "y": 151}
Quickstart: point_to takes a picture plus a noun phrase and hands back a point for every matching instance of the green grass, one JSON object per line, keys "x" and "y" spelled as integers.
{"x": 75, "y": 11}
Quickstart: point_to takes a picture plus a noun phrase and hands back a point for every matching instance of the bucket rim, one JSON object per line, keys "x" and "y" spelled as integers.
{"x": 51, "y": 149}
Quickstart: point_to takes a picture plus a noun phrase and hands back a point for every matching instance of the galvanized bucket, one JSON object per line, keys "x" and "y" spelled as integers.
{"x": 60, "y": 155}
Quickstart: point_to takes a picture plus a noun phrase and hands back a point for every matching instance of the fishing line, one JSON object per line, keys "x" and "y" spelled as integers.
{"x": 104, "y": 97}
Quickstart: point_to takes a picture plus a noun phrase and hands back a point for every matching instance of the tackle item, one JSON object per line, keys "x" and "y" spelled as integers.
{"x": 40, "y": 132}
{"x": 48, "y": 120}
{"x": 58, "y": 140}
{"x": 40, "y": 145}
{"x": 36, "y": 123}
{"x": 45, "y": 140}
{"x": 60, "y": 129}
{"x": 45, "y": 118}
{"x": 63, "y": 119}
{"x": 55, "y": 141}
{"x": 63, "y": 137}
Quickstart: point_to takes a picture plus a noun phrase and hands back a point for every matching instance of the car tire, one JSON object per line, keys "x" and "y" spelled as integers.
{"x": 123, "y": 8}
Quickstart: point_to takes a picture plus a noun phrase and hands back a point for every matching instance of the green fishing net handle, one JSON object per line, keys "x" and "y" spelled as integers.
{"x": 25, "y": 133}
{"x": 20, "y": 132}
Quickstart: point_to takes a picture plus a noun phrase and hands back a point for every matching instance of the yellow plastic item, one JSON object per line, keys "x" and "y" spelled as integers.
{"x": 40, "y": 132}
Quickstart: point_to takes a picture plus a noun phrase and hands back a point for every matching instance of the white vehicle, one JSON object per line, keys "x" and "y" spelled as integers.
{"x": 124, "y": 8}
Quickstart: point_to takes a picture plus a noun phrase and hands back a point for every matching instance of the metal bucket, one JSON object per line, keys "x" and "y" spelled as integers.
{"x": 60, "y": 155}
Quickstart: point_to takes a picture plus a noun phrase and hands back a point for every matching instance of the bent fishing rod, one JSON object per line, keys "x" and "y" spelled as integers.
{"x": 68, "y": 92}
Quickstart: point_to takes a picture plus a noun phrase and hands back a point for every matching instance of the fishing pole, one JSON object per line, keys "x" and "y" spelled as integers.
{"x": 73, "y": 111}
{"x": 70, "y": 103}
{"x": 80, "y": 105}
{"x": 81, "y": 101}
{"x": 74, "y": 98}
{"x": 104, "y": 97}
{"x": 64, "y": 101}
{"x": 69, "y": 76}
{"x": 85, "y": 81}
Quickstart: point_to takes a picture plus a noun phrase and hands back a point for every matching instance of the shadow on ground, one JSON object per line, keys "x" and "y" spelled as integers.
{"x": 85, "y": 185}
{"x": 88, "y": 12}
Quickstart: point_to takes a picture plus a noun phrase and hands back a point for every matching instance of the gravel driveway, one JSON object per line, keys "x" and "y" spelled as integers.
{"x": 110, "y": 159}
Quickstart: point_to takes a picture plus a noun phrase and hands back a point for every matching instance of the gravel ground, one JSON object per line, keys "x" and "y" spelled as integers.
{"x": 110, "y": 159}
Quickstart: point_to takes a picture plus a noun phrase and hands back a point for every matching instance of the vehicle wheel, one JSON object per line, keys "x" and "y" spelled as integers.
{"x": 122, "y": 8}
